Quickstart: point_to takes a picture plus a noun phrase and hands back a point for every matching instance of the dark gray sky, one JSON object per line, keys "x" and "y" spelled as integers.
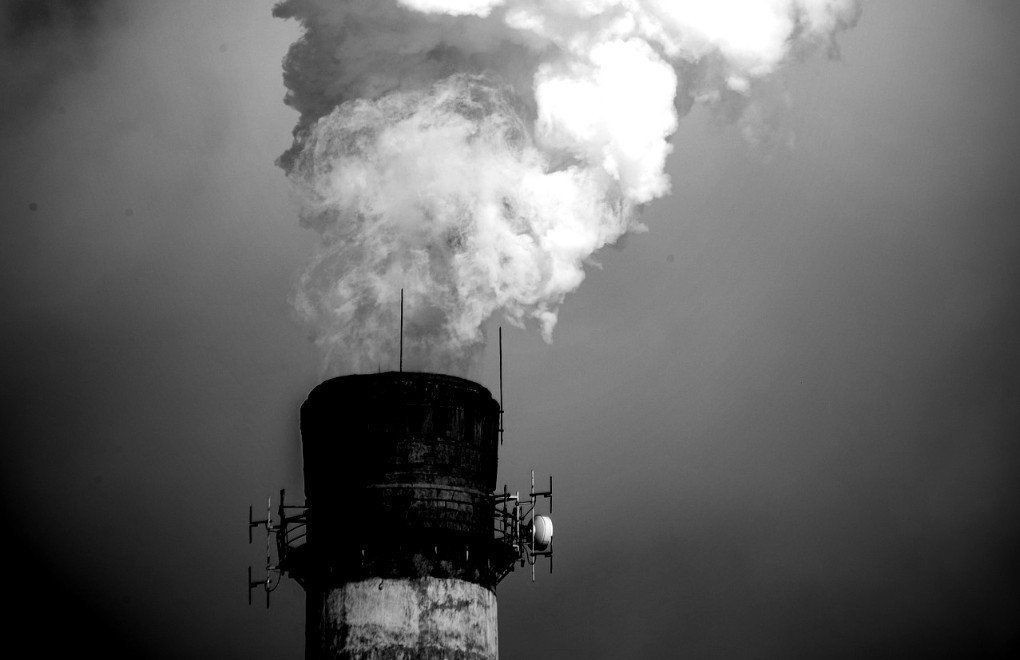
{"x": 783, "y": 422}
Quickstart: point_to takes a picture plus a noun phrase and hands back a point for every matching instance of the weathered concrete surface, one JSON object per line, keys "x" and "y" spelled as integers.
{"x": 408, "y": 461}
{"x": 420, "y": 618}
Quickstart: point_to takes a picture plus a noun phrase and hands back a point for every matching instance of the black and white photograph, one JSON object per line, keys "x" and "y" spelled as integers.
{"x": 478, "y": 329}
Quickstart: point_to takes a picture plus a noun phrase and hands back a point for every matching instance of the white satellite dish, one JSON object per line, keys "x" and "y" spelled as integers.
{"x": 543, "y": 532}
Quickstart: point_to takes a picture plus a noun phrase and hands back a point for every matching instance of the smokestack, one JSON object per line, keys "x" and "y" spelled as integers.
{"x": 475, "y": 155}
{"x": 400, "y": 558}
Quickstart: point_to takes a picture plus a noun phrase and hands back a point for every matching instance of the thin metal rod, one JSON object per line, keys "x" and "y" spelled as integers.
{"x": 269, "y": 530}
{"x": 401, "y": 330}
{"x": 500, "y": 384}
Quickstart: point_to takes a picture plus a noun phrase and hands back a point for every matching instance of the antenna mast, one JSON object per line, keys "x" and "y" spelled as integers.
{"x": 500, "y": 384}
{"x": 401, "y": 329}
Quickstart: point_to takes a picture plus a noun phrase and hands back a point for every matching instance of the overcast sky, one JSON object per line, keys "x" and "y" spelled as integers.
{"x": 782, "y": 423}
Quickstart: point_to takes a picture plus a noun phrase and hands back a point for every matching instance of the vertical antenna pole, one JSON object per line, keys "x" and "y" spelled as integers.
{"x": 401, "y": 329}
{"x": 501, "y": 385}
{"x": 269, "y": 530}
{"x": 533, "y": 502}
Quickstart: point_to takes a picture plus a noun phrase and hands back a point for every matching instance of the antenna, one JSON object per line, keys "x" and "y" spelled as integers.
{"x": 524, "y": 533}
{"x": 401, "y": 329}
{"x": 268, "y": 524}
{"x": 289, "y": 533}
{"x": 501, "y": 385}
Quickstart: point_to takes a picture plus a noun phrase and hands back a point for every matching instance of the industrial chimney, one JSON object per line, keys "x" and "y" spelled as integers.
{"x": 402, "y": 540}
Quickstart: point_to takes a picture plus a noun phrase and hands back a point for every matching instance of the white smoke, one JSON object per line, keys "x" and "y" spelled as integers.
{"x": 477, "y": 153}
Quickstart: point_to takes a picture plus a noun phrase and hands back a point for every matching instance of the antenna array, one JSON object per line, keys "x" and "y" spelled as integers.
{"x": 289, "y": 531}
{"x": 520, "y": 527}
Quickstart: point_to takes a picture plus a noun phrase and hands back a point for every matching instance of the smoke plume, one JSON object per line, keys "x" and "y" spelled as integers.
{"x": 477, "y": 153}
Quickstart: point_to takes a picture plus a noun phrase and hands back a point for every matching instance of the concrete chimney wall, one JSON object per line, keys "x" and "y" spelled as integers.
{"x": 399, "y": 560}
